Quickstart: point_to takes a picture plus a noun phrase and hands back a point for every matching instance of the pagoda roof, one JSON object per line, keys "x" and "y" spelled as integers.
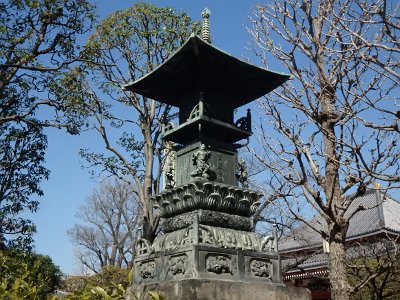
{"x": 200, "y": 67}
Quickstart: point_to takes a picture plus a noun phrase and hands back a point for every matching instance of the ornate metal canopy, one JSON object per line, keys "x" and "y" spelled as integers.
{"x": 206, "y": 207}
{"x": 199, "y": 66}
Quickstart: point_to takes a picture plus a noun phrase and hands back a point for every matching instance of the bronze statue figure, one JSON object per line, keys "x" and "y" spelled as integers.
{"x": 200, "y": 161}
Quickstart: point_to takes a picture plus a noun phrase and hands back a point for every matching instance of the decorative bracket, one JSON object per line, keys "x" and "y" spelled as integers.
{"x": 245, "y": 122}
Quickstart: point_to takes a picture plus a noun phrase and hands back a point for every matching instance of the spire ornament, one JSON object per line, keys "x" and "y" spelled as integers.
{"x": 205, "y": 29}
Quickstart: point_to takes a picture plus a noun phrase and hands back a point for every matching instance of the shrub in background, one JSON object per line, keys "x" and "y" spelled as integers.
{"x": 27, "y": 275}
{"x": 109, "y": 284}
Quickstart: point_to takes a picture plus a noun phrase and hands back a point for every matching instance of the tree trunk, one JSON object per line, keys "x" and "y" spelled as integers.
{"x": 148, "y": 229}
{"x": 339, "y": 281}
{"x": 149, "y": 223}
{"x": 337, "y": 223}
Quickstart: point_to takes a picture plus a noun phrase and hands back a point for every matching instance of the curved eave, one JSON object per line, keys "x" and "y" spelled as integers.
{"x": 199, "y": 66}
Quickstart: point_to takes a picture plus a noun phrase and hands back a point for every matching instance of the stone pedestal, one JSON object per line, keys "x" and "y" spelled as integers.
{"x": 203, "y": 289}
{"x": 208, "y": 248}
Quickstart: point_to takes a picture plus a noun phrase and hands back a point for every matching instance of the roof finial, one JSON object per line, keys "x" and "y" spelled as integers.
{"x": 205, "y": 29}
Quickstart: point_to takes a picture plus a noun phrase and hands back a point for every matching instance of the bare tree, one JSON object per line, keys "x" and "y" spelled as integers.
{"x": 111, "y": 217}
{"x": 319, "y": 152}
{"x": 379, "y": 52}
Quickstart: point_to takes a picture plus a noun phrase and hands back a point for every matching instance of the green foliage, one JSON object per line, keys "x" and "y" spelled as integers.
{"x": 146, "y": 34}
{"x": 27, "y": 275}
{"x": 113, "y": 280}
{"x": 37, "y": 45}
{"x": 383, "y": 274}
{"x": 34, "y": 277}
{"x": 110, "y": 274}
{"x": 99, "y": 293}
{"x": 109, "y": 284}
{"x": 22, "y": 156}
{"x": 155, "y": 296}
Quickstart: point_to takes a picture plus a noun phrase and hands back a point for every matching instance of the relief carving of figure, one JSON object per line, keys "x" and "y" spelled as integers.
{"x": 147, "y": 269}
{"x": 219, "y": 264}
{"x": 241, "y": 173}
{"x": 260, "y": 268}
{"x": 169, "y": 177}
{"x": 177, "y": 265}
{"x": 200, "y": 161}
{"x": 230, "y": 240}
{"x": 169, "y": 167}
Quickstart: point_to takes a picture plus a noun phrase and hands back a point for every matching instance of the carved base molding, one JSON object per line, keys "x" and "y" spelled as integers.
{"x": 208, "y": 196}
{"x": 205, "y": 262}
{"x": 209, "y": 236}
{"x": 207, "y": 217}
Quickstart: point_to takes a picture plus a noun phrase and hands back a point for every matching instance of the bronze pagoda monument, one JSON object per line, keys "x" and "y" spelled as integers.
{"x": 207, "y": 248}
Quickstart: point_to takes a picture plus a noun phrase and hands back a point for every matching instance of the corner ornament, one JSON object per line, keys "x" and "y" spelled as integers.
{"x": 245, "y": 122}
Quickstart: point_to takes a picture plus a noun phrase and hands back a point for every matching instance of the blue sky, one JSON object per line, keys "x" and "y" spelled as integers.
{"x": 69, "y": 184}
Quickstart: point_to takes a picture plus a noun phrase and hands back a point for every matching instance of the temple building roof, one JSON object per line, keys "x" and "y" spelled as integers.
{"x": 200, "y": 67}
{"x": 381, "y": 215}
{"x": 302, "y": 249}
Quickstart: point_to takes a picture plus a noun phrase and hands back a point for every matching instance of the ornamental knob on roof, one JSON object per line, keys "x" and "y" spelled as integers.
{"x": 205, "y": 30}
